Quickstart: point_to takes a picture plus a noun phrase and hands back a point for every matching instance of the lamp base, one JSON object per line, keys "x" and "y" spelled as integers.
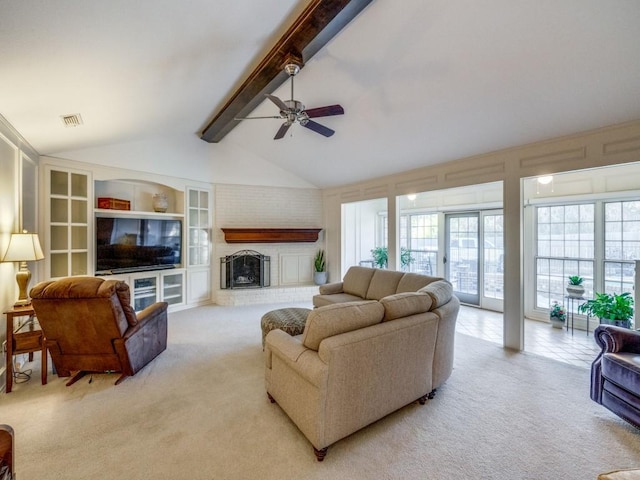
{"x": 23, "y": 277}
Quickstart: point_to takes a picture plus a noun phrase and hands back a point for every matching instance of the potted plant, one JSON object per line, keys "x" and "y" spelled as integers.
{"x": 575, "y": 289}
{"x": 381, "y": 257}
{"x": 610, "y": 308}
{"x": 320, "y": 274}
{"x": 557, "y": 315}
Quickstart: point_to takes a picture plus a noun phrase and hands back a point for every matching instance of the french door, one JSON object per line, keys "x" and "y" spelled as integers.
{"x": 474, "y": 257}
{"x": 461, "y": 258}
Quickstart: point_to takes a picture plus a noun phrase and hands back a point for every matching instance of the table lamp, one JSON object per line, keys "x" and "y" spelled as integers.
{"x": 23, "y": 247}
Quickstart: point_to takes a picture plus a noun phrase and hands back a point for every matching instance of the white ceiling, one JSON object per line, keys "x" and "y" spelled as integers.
{"x": 421, "y": 81}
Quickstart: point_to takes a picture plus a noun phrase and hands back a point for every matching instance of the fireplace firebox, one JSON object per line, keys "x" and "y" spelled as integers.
{"x": 245, "y": 269}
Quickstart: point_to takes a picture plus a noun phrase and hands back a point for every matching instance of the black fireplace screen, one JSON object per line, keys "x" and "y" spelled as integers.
{"x": 245, "y": 269}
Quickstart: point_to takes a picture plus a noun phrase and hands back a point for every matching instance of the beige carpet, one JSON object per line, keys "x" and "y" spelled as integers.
{"x": 199, "y": 411}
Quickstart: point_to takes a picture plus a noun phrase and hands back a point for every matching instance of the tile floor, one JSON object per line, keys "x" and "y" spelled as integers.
{"x": 539, "y": 338}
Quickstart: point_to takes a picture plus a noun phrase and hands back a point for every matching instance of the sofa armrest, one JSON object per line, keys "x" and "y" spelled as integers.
{"x": 284, "y": 345}
{"x": 331, "y": 288}
{"x": 304, "y": 361}
{"x": 612, "y": 339}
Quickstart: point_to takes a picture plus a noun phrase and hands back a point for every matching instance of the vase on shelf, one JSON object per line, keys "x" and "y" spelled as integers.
{"x": 160, "y": 203}
{"x": 575, "y": 291}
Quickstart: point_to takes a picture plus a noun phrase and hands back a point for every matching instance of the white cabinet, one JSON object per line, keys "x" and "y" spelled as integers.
{"x": 144, "y": 291}
{"x": 296, "y": 269}
{"x": 172, "y": 287}
{"x": 199, "y": 245}
{"x": 150, "y": 287}
{"x": 198, "y": 227}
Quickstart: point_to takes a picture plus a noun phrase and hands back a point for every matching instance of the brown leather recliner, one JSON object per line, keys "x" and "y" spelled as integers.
{"x": 6, "y": 452}
{"x": 90, "y": 326}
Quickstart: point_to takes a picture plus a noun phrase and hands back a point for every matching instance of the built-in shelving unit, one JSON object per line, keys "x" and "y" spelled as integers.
{"x": 68, "y": 225}
{"x": 71, "y": 206}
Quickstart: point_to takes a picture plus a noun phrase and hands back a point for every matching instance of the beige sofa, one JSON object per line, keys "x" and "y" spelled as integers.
{"x": 362, "y": 283}
{"x": 358, "y": 361}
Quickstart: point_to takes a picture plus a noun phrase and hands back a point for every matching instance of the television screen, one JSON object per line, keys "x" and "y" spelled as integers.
{"x": 131, "y": 244}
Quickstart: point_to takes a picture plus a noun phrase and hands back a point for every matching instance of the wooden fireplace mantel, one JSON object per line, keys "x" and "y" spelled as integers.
{"x": 271, "y": 235}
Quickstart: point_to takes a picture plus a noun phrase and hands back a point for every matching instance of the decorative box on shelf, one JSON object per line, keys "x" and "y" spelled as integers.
{"x": 113, "y": 203}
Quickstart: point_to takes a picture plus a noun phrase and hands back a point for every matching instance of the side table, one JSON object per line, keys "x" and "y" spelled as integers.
{"x": 28, "y": 341}
{"x": 573, "y": 309}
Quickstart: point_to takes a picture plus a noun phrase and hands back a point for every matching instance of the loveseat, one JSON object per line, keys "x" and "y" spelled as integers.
{"x": 360, "y": 360}
{"x": 615, "y": 373}
{"x": 363, "y": 283}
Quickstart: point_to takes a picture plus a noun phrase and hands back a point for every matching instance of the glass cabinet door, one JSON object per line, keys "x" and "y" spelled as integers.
{"x": 68, "y": 223}
{"x": 199, "y": 228}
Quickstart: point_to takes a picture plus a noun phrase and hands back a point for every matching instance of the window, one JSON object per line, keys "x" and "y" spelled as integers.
{"x": 565, "y": 246}
{"x": 621, "y": 245}
{"x": 421, "y": 244}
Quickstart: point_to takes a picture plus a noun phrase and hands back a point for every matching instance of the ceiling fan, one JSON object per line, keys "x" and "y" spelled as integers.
{"x": 292, "y": 111}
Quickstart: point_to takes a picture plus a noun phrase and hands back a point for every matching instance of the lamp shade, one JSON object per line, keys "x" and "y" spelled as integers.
{"x": 23, "y": 247}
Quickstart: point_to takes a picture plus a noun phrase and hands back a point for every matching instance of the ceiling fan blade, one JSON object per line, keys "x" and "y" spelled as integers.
{"x": 279, "y": 103}
{"x": 282, "y": 131}
{"x": 325, "y": 111}
{"x": 321, "y": 129}
{"x": 257, "y": 118}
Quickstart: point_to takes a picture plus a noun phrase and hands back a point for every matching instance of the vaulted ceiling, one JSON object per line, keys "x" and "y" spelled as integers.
{"x": 421, "y": 81}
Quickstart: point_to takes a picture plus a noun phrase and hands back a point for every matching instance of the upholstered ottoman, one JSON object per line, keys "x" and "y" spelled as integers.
{"x": 290, "y": 320}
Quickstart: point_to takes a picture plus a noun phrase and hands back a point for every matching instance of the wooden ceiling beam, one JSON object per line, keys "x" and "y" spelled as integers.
{"x": 312, "y": 30}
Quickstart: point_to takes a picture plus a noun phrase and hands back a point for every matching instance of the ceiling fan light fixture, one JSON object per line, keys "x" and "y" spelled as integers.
{"x": 292, "y": 69}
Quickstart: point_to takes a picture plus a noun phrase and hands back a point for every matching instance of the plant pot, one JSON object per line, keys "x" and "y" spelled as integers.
{"x": 617, "y": 323}
{"x": 557, "y": 322}
{"x": 320, "y": 278}
{"x": 575, "y": 291}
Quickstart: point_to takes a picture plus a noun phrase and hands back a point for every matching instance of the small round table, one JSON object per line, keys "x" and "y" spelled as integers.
{"x": 290, "y": 320}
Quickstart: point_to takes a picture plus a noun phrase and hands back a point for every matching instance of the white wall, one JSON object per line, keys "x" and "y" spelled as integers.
{"x": 187, "y": 156}
{"x": 13, "y": 152}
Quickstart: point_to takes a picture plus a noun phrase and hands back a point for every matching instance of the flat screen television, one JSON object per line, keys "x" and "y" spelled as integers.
{"x": 136, "y": 244}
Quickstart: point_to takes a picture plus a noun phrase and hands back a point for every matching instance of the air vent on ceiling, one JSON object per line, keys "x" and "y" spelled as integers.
{"x": 72, "y": 120}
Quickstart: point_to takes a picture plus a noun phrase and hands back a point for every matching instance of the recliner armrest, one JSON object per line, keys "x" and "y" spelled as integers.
{"x": 149, "y": 314}
{"x": 614, "y": 339}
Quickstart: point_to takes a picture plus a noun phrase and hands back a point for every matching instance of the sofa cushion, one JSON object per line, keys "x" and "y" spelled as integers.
{"x": 383, "y": 283}
{"x": 623, "y": 368}
{"x": 356, "y": 281}
{"x": 324, "y": 300}
{"x": 333, "y": 320}
{"x": 412, "y": 282}
{"x": 405, "y": 304}
{"x": 440, "y": 292}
